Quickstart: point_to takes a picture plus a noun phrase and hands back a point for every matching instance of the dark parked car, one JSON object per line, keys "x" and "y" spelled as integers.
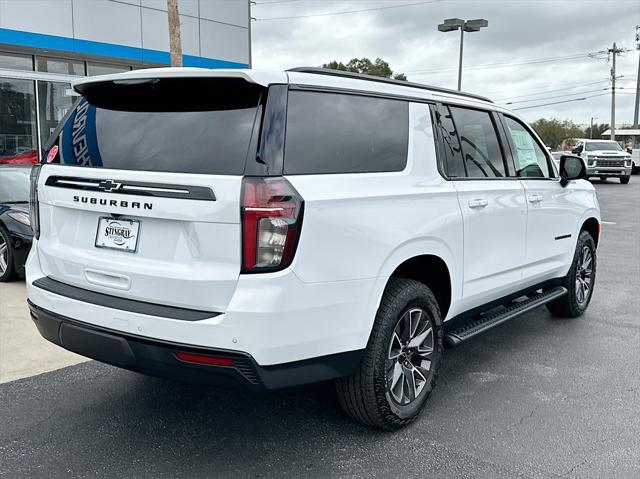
{"x": 15, "y": 227}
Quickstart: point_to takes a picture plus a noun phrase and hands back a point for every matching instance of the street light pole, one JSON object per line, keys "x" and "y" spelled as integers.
{"x": 460, "y": 59}
{"x": 452, "y": 24}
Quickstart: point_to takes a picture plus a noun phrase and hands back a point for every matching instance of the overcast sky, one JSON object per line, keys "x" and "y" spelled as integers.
{"x": 520, "y": 31}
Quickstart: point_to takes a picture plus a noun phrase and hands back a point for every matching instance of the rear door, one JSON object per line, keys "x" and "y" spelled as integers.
{"x": 492, "y": 204}
{"x": 140, "y": 198}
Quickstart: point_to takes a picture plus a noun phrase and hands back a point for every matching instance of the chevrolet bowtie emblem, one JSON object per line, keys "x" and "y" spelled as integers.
{"x": 109, "y": 185}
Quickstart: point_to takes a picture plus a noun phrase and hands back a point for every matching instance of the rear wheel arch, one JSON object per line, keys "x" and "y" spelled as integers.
{"x": 432, "y": 271}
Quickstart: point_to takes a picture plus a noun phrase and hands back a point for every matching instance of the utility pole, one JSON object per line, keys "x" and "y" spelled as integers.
{"x": 175, "y": 44}
{"x": 591, "y": 129}
{"x": 460, "y": 60}
{"x": 635, "y": 112}
{"x": 614, "y": 52}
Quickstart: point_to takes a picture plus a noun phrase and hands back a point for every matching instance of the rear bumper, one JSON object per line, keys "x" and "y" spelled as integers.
{"x": 158, "y": 358}
{"x": 275, "y": 318}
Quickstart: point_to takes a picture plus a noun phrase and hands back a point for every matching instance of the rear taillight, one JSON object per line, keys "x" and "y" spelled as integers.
{"x": 271, "y": 222}
{"x": 34, "y": 213}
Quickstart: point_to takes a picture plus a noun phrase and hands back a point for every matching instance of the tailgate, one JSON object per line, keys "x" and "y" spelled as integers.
{"x": 187, "y": 250}
{"x": 141, "y": 194}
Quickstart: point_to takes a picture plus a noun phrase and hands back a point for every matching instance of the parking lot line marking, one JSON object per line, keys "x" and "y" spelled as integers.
{"x": 609, "y": 223}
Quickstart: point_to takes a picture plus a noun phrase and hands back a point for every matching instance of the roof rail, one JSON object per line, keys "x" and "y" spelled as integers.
{"x": 391, "y": 81}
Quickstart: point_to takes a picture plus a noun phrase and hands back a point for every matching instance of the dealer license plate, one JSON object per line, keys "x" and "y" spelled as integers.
{"x": 115, "y": 233}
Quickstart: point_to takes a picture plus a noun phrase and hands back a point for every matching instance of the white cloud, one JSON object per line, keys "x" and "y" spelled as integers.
{"x": 518, "y": 31}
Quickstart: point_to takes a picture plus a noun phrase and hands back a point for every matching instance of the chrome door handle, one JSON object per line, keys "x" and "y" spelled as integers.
{"x": 535, "y": 198}
{"x": 478, "y": 203}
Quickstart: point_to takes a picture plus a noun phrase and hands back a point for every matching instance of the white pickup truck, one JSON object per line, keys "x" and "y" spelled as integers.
{"x": 604, "y": 159}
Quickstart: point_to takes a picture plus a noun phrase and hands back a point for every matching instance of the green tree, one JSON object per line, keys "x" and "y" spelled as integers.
{"x": 554, "y": 132}
{"x": 598, "y": 130}
{"x": 378, "y": 68}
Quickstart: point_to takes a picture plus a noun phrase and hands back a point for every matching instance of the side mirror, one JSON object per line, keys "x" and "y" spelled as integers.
{"x": 576, "y": 151}
{"x": 571, "y": 168}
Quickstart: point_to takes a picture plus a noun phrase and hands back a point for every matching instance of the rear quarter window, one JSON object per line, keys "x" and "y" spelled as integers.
{"x": 341, "y": 133}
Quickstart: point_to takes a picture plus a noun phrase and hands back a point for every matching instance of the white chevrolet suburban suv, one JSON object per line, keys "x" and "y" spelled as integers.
{"x": 270, "y": 229}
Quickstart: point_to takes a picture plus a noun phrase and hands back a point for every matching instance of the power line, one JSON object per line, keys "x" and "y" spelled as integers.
{"x": 556, "y": 96}
{"x": 558, "y": 102}
{"x": 349, "y": 11}
{"x": 575, "y": 85}
{"x": 554, "y": 90}
{"x": 608, "y": 90}
{"x": 568, "y": 86}
{"x": 278, "y": 1}
{"x": 497, "y": 65}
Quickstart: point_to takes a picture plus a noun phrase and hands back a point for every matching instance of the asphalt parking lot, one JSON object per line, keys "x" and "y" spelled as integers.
{"x": 536, "y": 397}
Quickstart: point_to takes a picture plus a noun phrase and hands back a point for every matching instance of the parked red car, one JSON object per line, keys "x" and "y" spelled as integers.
{"x": 26, "y": 158}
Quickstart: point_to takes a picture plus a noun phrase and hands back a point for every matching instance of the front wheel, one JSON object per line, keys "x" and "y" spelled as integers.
{"x": 625, "y": 179}
{"x": 579, "y": 282}
{"x": 401, "y": 362}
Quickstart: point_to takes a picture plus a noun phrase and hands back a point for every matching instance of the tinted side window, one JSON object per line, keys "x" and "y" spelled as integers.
{"x": 338, "y": 133}
{"x": 480, "y": 147}
{"x": 531, "y": 161}
{"x": 453, "y": 163}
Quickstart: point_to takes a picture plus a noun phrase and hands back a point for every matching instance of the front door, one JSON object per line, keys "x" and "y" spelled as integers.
{"x": 552, "y": 217}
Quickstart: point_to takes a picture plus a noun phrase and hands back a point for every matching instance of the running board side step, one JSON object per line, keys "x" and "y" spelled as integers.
{"x": 459, "y": 335}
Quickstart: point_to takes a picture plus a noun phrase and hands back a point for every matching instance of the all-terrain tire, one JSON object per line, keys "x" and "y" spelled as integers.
{"x": 625, "y": 180}
{"x": 569, "y": 305}
{"x": 365, "y": 395}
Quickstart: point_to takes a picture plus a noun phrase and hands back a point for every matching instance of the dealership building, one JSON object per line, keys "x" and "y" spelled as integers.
{"x": 45, "y": 44}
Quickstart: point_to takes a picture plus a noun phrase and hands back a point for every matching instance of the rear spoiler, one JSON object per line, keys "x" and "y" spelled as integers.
{"x": 258, "y": 77}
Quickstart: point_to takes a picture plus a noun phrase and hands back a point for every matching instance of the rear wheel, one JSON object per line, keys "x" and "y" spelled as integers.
{"x": 7, "y": 271}
{"x": 399, "y": 368}
{"x": 579, "y": 281}
{"x": 625, "y": 179}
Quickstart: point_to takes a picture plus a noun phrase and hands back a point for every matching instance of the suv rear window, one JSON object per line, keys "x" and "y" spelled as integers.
{"x": 341, "y": 133}
{"x": 196, "y": 125}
